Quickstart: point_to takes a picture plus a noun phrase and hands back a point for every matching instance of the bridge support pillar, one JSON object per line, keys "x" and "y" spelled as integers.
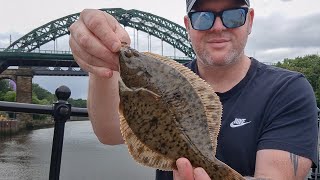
{"x": 24, "y": 93}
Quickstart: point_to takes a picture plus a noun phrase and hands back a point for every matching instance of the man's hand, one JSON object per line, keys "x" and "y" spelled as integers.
{"x": 186, "y": 172}
{"x": 95, "y": 40}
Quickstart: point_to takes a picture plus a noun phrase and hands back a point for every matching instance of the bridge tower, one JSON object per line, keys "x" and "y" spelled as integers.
{"x": 23, "y": 78}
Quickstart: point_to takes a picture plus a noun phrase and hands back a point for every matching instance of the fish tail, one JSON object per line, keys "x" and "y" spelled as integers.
{"x": 218, "y": 170}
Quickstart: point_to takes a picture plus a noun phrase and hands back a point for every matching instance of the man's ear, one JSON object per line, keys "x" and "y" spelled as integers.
{"x": 250, "y": 18}
{"x": 186, "y": 23}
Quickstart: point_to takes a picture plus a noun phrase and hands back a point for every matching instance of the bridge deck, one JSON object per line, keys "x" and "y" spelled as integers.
{"x": 48, "y": 59}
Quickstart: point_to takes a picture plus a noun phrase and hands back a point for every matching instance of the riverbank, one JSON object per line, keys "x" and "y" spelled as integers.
{"x": 8, "y": 127}
{"x": 12, "y": 126}
{"x": 39, "y": 124}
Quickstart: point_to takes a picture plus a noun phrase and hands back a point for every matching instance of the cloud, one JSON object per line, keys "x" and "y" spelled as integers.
{"x": 281, "y": 32}
{"x": 281, "y": 37}
{"x": 5, "y": 38}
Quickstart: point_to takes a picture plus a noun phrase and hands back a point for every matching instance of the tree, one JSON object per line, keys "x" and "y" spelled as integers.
{"x": 78, "y": 102}
{"x": 309, "y": 66}
{"x": 4, "y": 88}
{"x": 4, "y": 85}
{"x": 41, "y": 95}
{"x": 10, "y": 96}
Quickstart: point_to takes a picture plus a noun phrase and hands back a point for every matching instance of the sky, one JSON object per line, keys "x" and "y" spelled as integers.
{"x": 281, "y": 29}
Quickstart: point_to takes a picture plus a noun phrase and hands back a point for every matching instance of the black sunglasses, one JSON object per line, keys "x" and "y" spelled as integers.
{"x": 231, "y": 18}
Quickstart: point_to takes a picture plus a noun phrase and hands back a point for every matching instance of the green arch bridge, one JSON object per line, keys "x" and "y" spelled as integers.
{"x": 22, "y": 51}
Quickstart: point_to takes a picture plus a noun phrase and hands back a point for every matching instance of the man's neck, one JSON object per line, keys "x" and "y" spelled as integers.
{"x": 224, "y": 78}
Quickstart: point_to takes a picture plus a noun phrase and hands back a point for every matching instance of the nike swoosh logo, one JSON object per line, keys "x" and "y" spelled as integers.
{"x": 233, "y": 125}
{"x": 238, "y": 123}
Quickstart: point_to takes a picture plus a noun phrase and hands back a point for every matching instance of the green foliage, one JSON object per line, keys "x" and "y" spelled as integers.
{"x": 4, "y": 86}
{"x": 9, "y": 96}
{"x": 309, "y": 66}
{"x": 1, "y": 96}
{"x": 35, "y": 99}
{"x": 42, "y": 96}
{"x": 6, "y": 94}
{"x": 39, "y": 95}
{"x": 78, "y": 102}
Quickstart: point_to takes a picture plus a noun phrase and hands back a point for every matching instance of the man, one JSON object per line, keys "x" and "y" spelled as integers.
{"x": 269, "y": 123}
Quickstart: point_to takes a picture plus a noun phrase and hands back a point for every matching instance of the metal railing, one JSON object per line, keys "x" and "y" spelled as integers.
{"x": 178, "y": 58}
{"x": 61, "y": 111}
{"x": 45, "y": 51}
{"x": 315, "y": 169}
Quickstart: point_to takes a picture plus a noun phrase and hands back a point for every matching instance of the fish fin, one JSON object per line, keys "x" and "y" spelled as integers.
{"x": 122, "y": 86}
{"x": 150, "y": 93}
{"x": 137, "y": 137}
{"x": 209, "y": 99}
{"x": 140, "y": 152}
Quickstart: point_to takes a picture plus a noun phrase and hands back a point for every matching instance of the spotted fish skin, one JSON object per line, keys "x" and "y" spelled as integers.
{"x": 168, "y": 112}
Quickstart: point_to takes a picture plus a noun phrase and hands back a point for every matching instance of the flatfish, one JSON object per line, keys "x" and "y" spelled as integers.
{"x": 167, "y": 112}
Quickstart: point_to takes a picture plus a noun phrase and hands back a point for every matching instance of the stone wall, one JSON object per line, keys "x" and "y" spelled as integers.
{"x": 9, "y": 127}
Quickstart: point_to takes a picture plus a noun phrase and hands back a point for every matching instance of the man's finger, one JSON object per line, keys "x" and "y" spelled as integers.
{"x": 103, "y": 27}
{"x": 121, "y": 33}
{"x": 200, "y": 174}
{"x": 185, "y": 169}
{"x": 99, "y": 71}
{"x": 112, "y": 62}
{"x": 89, "y": 43}
{"x": 176, "y": 175}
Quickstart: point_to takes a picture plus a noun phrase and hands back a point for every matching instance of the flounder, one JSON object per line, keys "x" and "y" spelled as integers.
{"x": 168, "y": 112}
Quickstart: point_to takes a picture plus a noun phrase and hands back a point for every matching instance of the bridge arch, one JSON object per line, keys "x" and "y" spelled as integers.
{"x": 23, "y": 79}
{"x": 159, "y": 27}
{"x": 11, "y": 77}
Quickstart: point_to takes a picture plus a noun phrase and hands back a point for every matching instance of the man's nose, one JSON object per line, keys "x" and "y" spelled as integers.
{"x": 218, "y": 25}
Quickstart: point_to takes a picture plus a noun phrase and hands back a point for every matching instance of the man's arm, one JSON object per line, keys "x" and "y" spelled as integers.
{"x": 270, "y": 165}
{"x": 277, "y": 164}
{"x": 103, "y": 105}
{"x": 95, "y": 39}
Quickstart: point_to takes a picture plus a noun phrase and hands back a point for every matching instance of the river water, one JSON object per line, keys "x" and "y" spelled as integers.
{"x": 27, "y": 157}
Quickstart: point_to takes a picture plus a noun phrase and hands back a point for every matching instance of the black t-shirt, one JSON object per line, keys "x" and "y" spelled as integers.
{"x": 271, "y": 108}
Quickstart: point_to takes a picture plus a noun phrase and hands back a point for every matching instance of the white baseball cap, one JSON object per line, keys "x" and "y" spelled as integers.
{"x": 190, "y": 4}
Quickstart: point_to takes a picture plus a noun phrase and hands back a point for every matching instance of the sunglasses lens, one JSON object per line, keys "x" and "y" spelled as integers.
{"x": 231, "y": 18}
{"x": 234, "y": 18}
{"x": 202, "y": 20}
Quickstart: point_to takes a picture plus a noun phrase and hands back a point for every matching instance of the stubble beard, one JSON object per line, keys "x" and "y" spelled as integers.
{"x": 232, "y": 56}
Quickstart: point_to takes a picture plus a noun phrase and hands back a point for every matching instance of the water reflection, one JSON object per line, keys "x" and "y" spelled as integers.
{"x": 27, "y": 156}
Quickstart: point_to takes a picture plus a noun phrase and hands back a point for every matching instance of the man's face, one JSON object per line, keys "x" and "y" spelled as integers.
{"x": 219, "y": 45}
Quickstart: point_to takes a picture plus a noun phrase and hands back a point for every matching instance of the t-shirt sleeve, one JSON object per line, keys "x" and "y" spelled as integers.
{"x": 164, "y": 175}
{"x": 291, "y": 119}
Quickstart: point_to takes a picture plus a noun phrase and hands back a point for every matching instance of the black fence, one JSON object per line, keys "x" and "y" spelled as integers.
{"x": 61, "y": 111}
{"x": 315, "y": 169}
